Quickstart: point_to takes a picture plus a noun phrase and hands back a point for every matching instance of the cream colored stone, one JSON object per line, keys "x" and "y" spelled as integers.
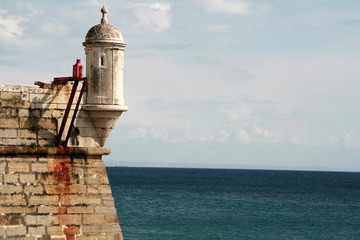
{"x": 30, "y": 189}
{"x": 44, "y": 200}
{"x": 9, "y": 122}
{"x": 40, "y": 167}
{"x": 9, "y": 189}
{"x": 27, "y": 178}
{"x": 24, "y": 112}
{"x": 2, "y": 167}
{"x": 8, "y": 133}
{"x": 10, "y": 95}
{"x": 15, "y": 231}
{"x": 18, "y": 167}
{"x": 11, "y": 178}
{"x": 26, "y": 133}
{"x": 37, "y": 230}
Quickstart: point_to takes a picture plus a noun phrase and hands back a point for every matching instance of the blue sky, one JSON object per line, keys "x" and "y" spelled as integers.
{"x": 211, "y": 83}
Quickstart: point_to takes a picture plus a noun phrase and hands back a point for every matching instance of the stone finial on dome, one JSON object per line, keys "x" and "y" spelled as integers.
{"x": 104, "y": 11}
{"x": 104, "y": 32}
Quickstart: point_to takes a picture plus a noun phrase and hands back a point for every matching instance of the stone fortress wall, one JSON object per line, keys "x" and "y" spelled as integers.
{"x": 31, "y": 115}
{"x": 51, "y": 188}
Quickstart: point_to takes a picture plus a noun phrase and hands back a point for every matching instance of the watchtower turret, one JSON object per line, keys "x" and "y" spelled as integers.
{"x": 104, "y": 101}
{"x": 104, "y": 49}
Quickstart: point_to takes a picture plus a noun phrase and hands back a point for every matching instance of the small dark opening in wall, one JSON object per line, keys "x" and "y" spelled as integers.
{"x": 102, "y": 61}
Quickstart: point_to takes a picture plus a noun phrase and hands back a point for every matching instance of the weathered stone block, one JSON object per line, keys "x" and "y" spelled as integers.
{"x": 81, "y": 209}
{"x": 93, "y": 218}
{"x": 17, "y": 209}
{"x": 43, "y": 220}
{"x": 8, "y": 189}
{"x": 51, "y": 209}
{"x": 96, "y": 171}
{"x": 54, "y": 230}
{"x": 46, "y": 133}
{"x": 92, "y": 237}
{"x": 44, "y": 200}
{"x": 40, "y": 167}
{"x": 2, "y": 232}
{"x": 11, "y": 178}
{"x": 103, "y": 209}
{"x": 37, "y": 230}
{"x": 105, "y": 189}
{"x": 62, "y": 189}
{"x": 42, "y": 98}
{"x": 67, "y": 219}
{"x": 18, "y": 167}
{"x": 24, "y": 112}
{"x": 34, "y": 189}
{"x": 14, "y": 103}
{"x": 27, "y": 178}
{"x": 22, "y": 159}
{"x": 81, "y": 199}
{"x": 9, "y": 122}
{"x": 13, "y": 200}
{"x": 11, "y": 219}
{"x": 8, "y": 133}
{"x": 96, "y": 179}
{"x": 93, "y": 189}
{"x": 108, "y": 200}
{"x": 10, "y": 96}
{"x": 78, "y": 170}
{"x": 108, "y": 228}
{"x": 72, "y": 230}
{"x": 43, "y": 106}
{"x": 15, "y": 141}
{"x": 31, "y": 122}
{"x": 2, "y": 167}
{"x": 26, "y": 133}
{"x": 15, "y": 231}
{"x": 8, "y": 112}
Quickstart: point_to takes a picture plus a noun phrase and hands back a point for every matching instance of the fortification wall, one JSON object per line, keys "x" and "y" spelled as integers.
{"x": 56, "y": 193}
{"x": 49, "y": 192}
{"x": 31, "y": 115}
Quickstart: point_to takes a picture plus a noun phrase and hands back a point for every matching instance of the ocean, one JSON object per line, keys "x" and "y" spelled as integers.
{"x": 206, "y": 204}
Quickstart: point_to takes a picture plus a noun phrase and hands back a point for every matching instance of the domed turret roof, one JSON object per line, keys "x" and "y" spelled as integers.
{"x": 104, "y": 32}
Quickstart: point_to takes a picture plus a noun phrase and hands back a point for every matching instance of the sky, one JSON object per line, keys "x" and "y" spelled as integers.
{"x": 210, "y": 83}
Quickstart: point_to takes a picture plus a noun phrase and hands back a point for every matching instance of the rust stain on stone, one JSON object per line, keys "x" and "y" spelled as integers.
{"x": 62, "y": 176}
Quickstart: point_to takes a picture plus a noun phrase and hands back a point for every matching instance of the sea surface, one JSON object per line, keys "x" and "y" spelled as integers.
{"x": 199, "y": 204}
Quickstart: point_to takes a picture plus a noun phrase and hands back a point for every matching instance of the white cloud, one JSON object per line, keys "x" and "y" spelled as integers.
{"x": 10, "y": 26}
{"x": 227, "y": 6}
{"x": 12, "y": 31}
{"x": 275, "y": 136}
{"x": 153, "y": 17}
{"x": 243, "y": 136}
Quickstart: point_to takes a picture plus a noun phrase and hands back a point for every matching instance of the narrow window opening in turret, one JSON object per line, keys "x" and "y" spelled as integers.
{"x": 102, "y": 61}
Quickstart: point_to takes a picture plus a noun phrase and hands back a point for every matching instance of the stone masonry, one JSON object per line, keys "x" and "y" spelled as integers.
{"x": 56, "y": 193}
{"x": 61, "y": 191}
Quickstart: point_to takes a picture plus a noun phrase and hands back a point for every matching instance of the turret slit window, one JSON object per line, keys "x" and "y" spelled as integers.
{"x": 102, "y": 61}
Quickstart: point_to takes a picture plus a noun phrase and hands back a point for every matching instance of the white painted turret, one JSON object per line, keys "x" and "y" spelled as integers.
{"x": 104, "y": 49}
{"x": 104, "y": 101}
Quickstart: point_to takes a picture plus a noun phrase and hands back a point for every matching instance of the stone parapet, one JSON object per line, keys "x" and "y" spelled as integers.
{"x": 31, "y": 115}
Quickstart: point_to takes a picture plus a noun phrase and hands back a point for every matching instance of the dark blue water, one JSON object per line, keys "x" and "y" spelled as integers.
{"x": 165, "y": 204}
